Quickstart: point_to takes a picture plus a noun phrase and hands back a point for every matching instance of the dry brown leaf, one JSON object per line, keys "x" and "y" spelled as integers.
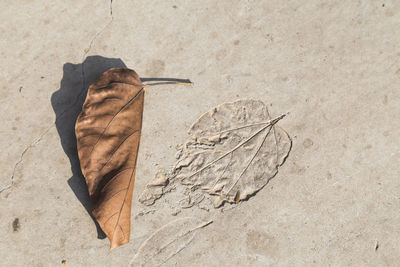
{"x": 108, "y": 134}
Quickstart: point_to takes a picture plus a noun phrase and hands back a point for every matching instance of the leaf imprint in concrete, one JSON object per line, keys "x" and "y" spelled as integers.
{"x": 167, "y": 241}
{"x": 232, "y": 153}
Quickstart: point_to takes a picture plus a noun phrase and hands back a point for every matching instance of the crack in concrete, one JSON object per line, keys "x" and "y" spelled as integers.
{"x": 86, "y": 51}
{"x": 33, "y": 144}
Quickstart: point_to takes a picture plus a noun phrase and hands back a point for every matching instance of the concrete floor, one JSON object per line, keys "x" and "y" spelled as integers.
{"x": 334, "y": 65}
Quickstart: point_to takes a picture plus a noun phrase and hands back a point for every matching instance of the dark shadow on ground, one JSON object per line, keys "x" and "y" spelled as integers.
{"x": 67, "y": 103}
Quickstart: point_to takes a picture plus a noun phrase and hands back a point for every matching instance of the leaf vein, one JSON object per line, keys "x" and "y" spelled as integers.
{"x": 113, "y": 153}
{"x": 119, "y": 191}
{"x": 129, "y": 184}
{"x": 109, "y": 123}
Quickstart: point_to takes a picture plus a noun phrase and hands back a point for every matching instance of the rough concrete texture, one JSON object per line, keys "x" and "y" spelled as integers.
{"x": 333, "y": 64}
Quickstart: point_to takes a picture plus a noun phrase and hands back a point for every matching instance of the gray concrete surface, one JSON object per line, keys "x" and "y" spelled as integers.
{"x": 333, "y": 64}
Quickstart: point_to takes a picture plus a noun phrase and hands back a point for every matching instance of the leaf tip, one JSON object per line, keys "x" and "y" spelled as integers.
{"x": 114, "y": 245}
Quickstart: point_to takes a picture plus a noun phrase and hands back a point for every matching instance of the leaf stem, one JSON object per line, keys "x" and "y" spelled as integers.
{"x": 180, "y": 82}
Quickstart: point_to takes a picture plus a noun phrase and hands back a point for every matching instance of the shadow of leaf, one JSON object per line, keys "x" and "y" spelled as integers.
{"x": 67, "y": 103}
